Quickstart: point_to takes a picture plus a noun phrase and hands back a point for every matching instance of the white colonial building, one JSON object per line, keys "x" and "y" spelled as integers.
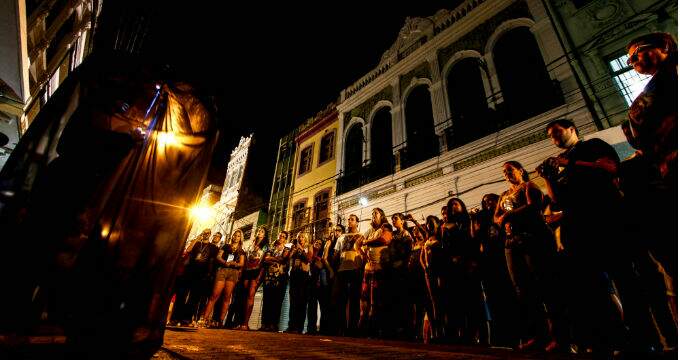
{"x": 226, "y": 206}
{"x": 456, "y": 95}
{"x": 41, "y": 43}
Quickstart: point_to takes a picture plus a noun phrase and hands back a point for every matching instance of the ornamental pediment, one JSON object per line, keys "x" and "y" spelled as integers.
{"x": 414, "y": 29}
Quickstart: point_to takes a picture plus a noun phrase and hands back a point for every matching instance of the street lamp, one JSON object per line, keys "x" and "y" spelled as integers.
{"x": 363, "y": 201}
{"x": 202, "y": 214}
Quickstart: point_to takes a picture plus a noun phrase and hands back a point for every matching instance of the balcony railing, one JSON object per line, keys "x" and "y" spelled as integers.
{"x": 315, "y": 229}
{"x": 367, "y": 174}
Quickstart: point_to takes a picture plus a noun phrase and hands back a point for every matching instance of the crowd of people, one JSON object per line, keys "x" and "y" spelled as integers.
{"x": 589, "y": 265}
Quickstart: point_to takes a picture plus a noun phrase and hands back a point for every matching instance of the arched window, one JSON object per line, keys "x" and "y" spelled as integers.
{"x": 525, "y": 82}
{"x": 469, "y": 111}
{"x": 353, "y": 149}
{"x": 352, "y": 170}
{"x": 381, "y": 143}
{"x": 422, "y": 142}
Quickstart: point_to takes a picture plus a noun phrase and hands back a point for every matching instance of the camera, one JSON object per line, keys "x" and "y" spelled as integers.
{"x": 548, "y": 169}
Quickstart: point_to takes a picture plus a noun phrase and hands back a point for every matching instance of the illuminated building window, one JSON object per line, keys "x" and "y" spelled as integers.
{"x": 320, "y": 213}
{"x": 299, "y": 214}
{"x": 305, "y": 160}
{"x": 327, "y": 148}
{"x": 629, "y": 82}
{"x": 321, "y": 205}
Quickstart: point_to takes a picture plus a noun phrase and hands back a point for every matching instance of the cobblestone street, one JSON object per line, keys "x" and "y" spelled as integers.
{"x": 233, "y": 344}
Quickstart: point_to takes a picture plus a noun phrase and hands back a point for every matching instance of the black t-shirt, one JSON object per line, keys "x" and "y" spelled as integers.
{"x": 586, "y": 191}
{"x": 457, "y": 242}
{"x": 489, "y": 233}
{"x": 202, "y": 256}
{"x": 226, "y": 251}
{"x": 592, "y": 204}
{"x": 399, "y": 250}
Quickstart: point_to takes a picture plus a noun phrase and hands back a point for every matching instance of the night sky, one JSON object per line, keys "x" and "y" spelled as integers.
{"x": 271, "y": 66}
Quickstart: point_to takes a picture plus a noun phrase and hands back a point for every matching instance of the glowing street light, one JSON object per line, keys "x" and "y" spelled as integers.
{"x": 203, "y": 214}
{"x": 363, "y": 201}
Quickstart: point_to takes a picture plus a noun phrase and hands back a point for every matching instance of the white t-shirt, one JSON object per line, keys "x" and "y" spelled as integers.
{"x": 349, "y": 257}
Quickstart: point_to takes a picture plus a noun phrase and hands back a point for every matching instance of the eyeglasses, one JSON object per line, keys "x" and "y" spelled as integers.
{"x": 634, "y": 57}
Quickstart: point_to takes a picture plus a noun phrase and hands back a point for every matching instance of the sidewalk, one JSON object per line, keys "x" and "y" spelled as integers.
{"x": 233, "y": 344}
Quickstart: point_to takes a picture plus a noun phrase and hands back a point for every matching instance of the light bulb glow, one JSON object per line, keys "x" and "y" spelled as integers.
{"x": 166, "y": 138}
{"x": 363, "y": 201}
{"x": 203, "y": 214}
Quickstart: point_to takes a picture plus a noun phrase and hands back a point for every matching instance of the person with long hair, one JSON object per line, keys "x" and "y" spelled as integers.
{"x": 529, "y": 248}
{"x": 275, "y": 282}
{"x": 319, "y": 287}
{"x": 195, "y": 280}
{"x": 462, "y": 304}
{"x": 396, "y": 275}
{"x": 373, "y": 249}
{"x": 327, "y": 323}
{"x": 420, "y": 298}
{"x": 347, "y": 285}
{"x": 230, "y": 260}
{"x": 494, "y": 272}
{"x": 301, "y": 255}
{"x": 434, "y": 263}
{"x": 252, "y": 273}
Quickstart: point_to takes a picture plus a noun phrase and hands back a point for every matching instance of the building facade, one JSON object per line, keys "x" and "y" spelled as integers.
{"x": 282, "y": 185}
{"x": 249, "y": 224}
{"x": 314, "y": 174}
{"x": 42, "y": 43}
{"x": 596, "y": 33}
{"x": 457, "y": 95}
{"x": 226, "y": 207}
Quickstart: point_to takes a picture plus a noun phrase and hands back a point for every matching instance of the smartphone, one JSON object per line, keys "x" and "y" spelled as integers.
{"x": 230, "y": 257}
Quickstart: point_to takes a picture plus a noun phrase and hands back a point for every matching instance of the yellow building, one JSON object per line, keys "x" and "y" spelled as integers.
{"x": 314, "y": 174}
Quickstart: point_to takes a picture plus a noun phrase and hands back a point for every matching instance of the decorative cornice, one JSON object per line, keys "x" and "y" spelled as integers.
{"x": 316, "y": 126}
{"x": 243, "y": 144}
{"x": 491, "y": 153}
{"x": 420, "y": 71}
{"x": 365, "y": 80}
{"x": 422, "y": 178}
{"x": 363, "y": 110}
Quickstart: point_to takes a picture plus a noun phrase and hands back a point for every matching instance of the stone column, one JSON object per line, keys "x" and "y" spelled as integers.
{"x": 398, "y": 123}
{"x": 440, "y": 113}
{"x": 340, "y": 143}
